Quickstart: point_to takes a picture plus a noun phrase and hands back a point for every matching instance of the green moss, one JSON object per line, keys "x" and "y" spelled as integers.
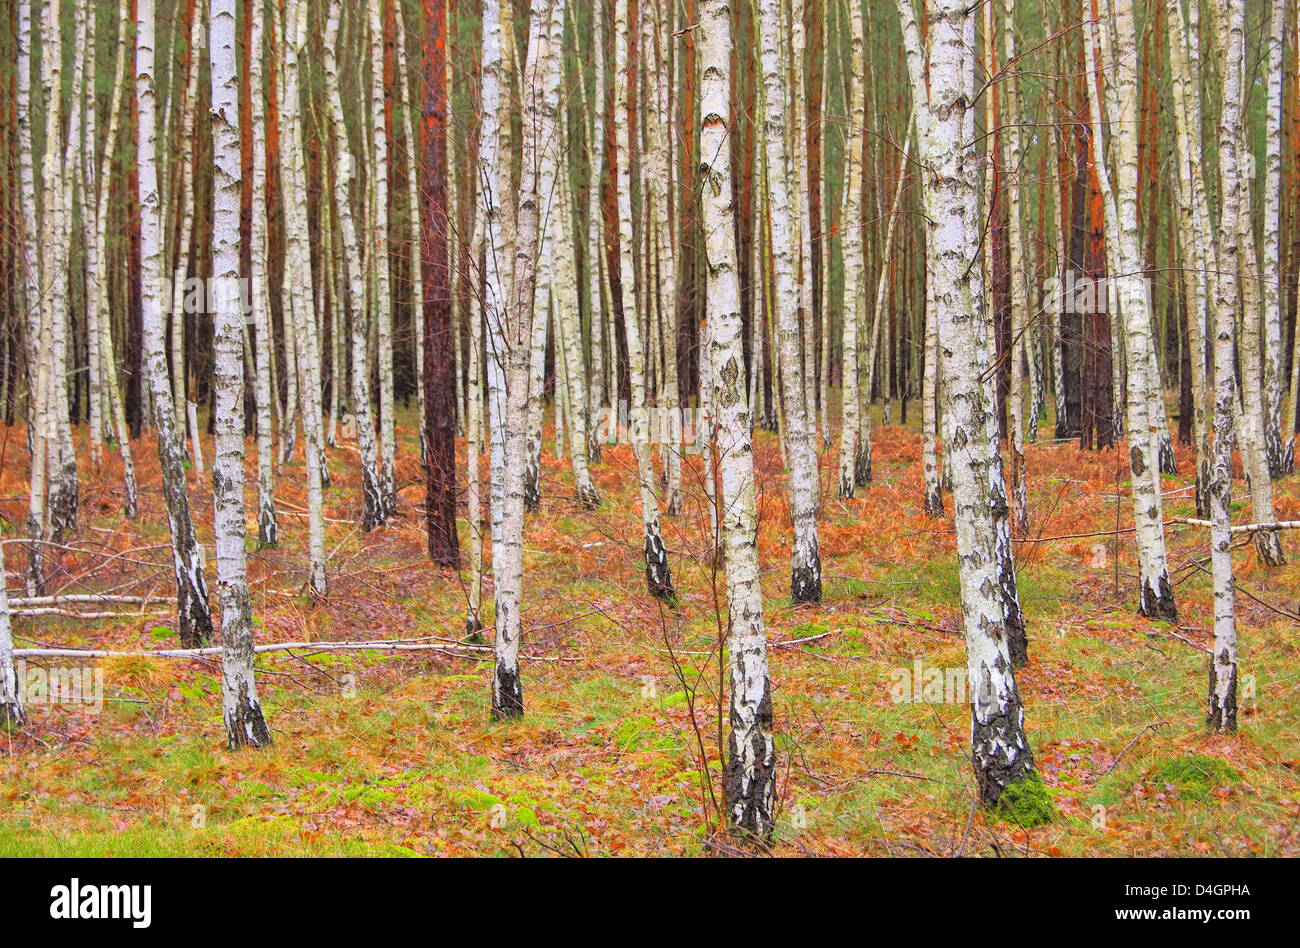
{"x": 1195, "y": 775}
{"x": 1026, "y": 802}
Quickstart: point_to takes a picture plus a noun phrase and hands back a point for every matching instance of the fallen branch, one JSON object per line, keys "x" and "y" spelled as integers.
{"x": 19, "y": 602}
{"x": 381, "y": 646}
{"x": 1242, "y": 528}
{"x": 1115, "y": 763}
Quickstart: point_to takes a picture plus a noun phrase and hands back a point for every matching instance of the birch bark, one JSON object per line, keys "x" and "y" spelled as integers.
{"x": 946, "y": 131}
{"x": 751, "y": 749}
{"x": 187, "y": 559}
{"x": 781, "y": 138}
{"x": 245, "y": 724}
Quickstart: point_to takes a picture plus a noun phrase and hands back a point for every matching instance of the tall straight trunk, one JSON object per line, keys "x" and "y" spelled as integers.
{"x": 373, "y": 509}
{"x": 245, "y": 724}
{"x": 854, "y": 261}
{"x": 435, "y": 270}
{"x": 1194, "y": 238}
{"x": 946, "y": 131}
{"x": 473, "y": 451}
{"x": 1221, "y": 714}
{"x": 379, "y": 260}
{"x": 1251, "y": 428}
{"x": 89, "y": 106}
{"x": 297, "y": 276}
{"x": 594, "y": 142}
{"x": 782, "y": 155}
{"x": 194, "y": 612}
{"x": 798, "y": 90}
{"x": 1011, "y": 163}
{"x": 751, "y": 747}
{"x": 184, "y": 201}
{"x": 56, "y": 220}
{"x": 1276, "y": 444}
{"x": 930, "y": 400}
{"x": 568, "y": 343}
{"x": 537, "y": 362}
{"x": 268, "y": 526}
{"x": 406, "y": 96}
{"x": 659, "y": 580}
{"x": 1157, "y": 594}
{"x": 541, "y": 100}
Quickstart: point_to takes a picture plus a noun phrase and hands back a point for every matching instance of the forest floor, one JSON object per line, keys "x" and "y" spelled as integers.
{"x": 395, "y": 754}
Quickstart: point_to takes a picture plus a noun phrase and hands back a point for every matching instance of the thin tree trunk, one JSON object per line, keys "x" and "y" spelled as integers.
{"x": 1280, "y": 461}
{"x": 541, "y": 94}
{"x": 245, "y": 724}
{"x": 751, "y": 748}
{"x": 379, "y": 259}
{"x": 783, "y": 156}
{"x": 1000, "y": 752}
{"x": 187, "y": 559}
{"x": 659, "y": 580}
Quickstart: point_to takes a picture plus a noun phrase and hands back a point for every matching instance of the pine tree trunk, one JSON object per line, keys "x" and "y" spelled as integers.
{"x": 437, "y": 325}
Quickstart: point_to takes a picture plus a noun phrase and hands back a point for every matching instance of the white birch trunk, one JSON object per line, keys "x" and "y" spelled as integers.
{"x": 782, "y": 156}
{"x": 541, "y": 94}
{"x": 946, "y": 131}
{"x": 245, "y": 725}
{"x": 187, "y": 557}
{"x": 1011, "y": 160}
{"x": 854, "y": 261}
{"x": 380, "y": 263}
{"x": 568, "y": 346}
{"x": 268, "y": 527}
{"x": 659, "y": 581}
{"x": 1221, "y": 714}
{"x": 11, "y": 705}
{"x": 751, "y": 748}
{"x": 1157, "y": 595}
{"x": 1280, "y": 461}
{"x": 373, "y": 511}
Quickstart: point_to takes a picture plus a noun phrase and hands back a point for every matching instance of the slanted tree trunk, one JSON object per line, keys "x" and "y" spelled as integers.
{"x": 1157, "y": 594}
{"x": 781, "y": 138}
{"x": 751, "y": 748}
{"x": 245, "y": 724}
{"x": 187, "y": 559}
{"x": 946, "y": 131}
{"x": 568, "y": 343}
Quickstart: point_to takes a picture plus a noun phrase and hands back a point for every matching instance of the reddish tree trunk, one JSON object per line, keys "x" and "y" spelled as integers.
{"x": 439, "y": 364}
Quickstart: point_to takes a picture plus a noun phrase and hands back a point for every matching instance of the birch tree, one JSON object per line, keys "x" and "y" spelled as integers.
{"x": 751, "y": 748}
{"x": 541, "y": 90}
{"x": 11, "y": 703}
{"x": 658, "y": 575}
{"x": 1222, "y": 711}
{"x": 245, "y": 724}
{"x": 1279, "y": 447}
{"x": 373, "y": 507}
{"x": 300, "y": 311}
{"x": 943, "y": 101}
{"x": 187, "y": 559}
{"x": 378, "y": 255}
{"x": 1157, "y": 594}
{"x": 854, "y": 261}
{"x": 782, "y": 154}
